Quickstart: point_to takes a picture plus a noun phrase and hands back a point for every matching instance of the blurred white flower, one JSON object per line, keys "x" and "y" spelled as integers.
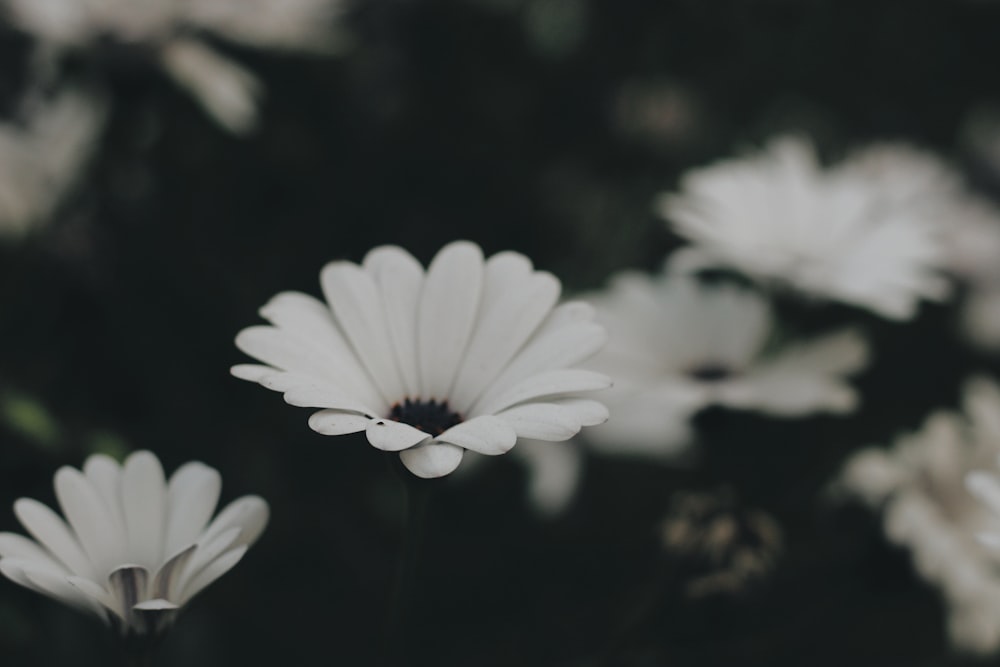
{"x": 167, "y": 30}
{"x": 919, "y": 484}
{"x": 677, "y": 346}
{"x": 470, "y": 354}
{"x": 134, "y": 547}
{"x": 855, "y": 233}
{"x": 43, "y": 157}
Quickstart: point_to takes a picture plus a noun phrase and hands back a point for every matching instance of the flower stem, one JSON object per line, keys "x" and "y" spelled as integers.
{"x": 415, "y": 500}
{"x": 137, "y": 654}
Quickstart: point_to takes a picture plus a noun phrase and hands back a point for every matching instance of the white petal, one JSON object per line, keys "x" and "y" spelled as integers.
{"x": 548, "y": 383}
{"x": 392, "y": 436}
{"x": 542, "y": 421}
{"x": 211, "y": 572}
{"x": 986, "y": 487}
{"x": 561, "y": 342}
{"x": 431, "y": 459}
{"x": 17, "y": 546}
{"x": 586, "y": 411}
{"x": 227, "y": 91}
{"x": 56, "y": 585}
{"x": 144, "y": 496}
{"x": 357, "y": 304}
{"x": 128, "y": 585}
{"x": 167, "y": 581}
{"x": 158, "y": 604}
{"x": 97, "y": 593}
{"x": 105, "y": 476}
{"x": 337, "y": 422}
{"x": 515, "y": 302}
{"x": 400, "y": 278}
{"x": 248, "y": 513}
{"x": 311, "y": 322}
{"x": 206, "y": 551}
{"x": 86, "y": 513}
{"x": 488, "y": 435}
{"x": 52, "y": 532}
{"x": 306, "y": 363}
{"x": 192, "y": 494}
{"x": 448, "y": 308}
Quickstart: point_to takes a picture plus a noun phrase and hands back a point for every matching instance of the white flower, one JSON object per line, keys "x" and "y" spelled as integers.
{"x": 467, "y": 355}
{"x": 167, "y": 30}
{"x": 856, "y": 233}
{"x": 919, "y": 484}
{"x": 134, "y": 548}
{"x": 677, "y": 346}
{"x": 42, "y": 157}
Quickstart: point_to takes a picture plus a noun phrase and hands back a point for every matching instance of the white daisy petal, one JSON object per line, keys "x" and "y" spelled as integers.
{"x": 192, "y": 494}
{"x": 93, "y": 526}
{"x": 308, "y": 319}
{"x": 487, "y": 434}
{"x": 587, "y": 412}
{"x": 105, "y": 476}
{"x": 358, "y": 308}
{"x": 449, "y": 305}
{"x": 515, "y": 302}
{"x": 13, "y": 545}
{"x": 542, "y": 421}
{"x": 249, "y": 513}
{"x": 432, "y": 459}
{"x": 392, "y": 436}
{"x": 337, "y": 422}
{"x": 399, "y": 278}
{"x": 550, "y": 383}
{"x": 211, "y": 572}
{"x": 52, "y": 532}
{"x": 144, "y": 496}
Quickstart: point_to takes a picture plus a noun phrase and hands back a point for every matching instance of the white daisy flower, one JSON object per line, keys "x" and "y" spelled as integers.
{"x": 43, "y": 157}
{"x": 854, "y": 233}
{"x": 920, "y": 486}
{"x": 470, "y": 354}
{"x": 677, "y": 346}
{"x": 134, "y": 547}
{"x": 167, "y": 30}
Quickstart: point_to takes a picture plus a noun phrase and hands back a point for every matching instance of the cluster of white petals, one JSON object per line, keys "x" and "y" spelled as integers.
{"x": 168, "y": 30}
{"x": 470, "y": 354}
{"x": 43, "y": 157}
{"x": 856, "y": 232}
{"x": 920, "y": 485}
{"x": 677, "y": 346}
{"x": 133, "y": 547}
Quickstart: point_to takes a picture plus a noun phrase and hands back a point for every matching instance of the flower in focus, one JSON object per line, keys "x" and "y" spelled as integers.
{"x": 857, "y": 232}
{"x": 467, "y": 355}
{"x": 133, "y": 548}
{"x": 43, "y": 156}
{"x": 677, "y": 346}
{"x": 920, "y": 487}
{"x": 167, "y": 32}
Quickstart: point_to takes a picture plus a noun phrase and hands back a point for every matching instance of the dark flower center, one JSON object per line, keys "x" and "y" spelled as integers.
{"x": 710, "y": 372}
{"x": 430, "y": 416}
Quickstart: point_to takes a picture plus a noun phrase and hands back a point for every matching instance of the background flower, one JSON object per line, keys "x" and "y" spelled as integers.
{"x": 133, "y": 547}
{"x": 677, "y": 346}
{"x": 854, "y": 233}
{"x": 166, "y": 32}
{"x": 919, "y": 486}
